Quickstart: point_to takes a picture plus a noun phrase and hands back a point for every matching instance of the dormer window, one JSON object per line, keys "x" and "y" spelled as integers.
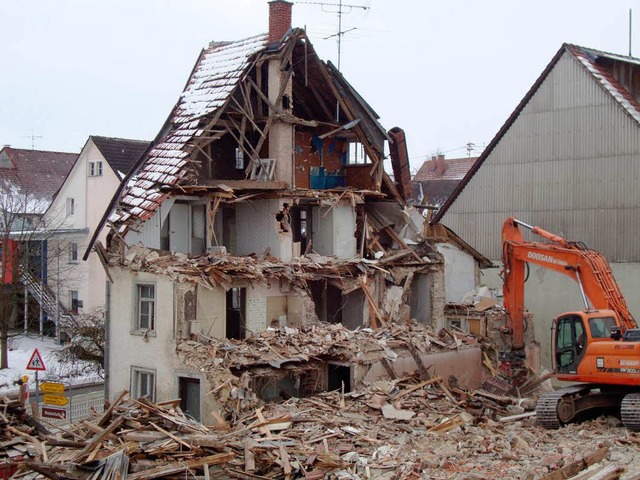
{"x": 95, "y": 169}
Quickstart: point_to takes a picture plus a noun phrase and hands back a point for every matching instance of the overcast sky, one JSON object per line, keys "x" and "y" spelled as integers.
{"x": 446, "y": 71}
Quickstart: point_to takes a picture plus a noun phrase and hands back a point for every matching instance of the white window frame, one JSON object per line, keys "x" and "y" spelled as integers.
{"x": 95, "y": 168}
{"x": 71, "y": 206}
{"x": 357, "y": 155}
{"x": 141, "y": 304}
{"x": 143, "y": 382}
{"x": 73, "y": 252}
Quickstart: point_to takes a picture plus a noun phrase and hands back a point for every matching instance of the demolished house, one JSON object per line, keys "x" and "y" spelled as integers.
{"x": 258, "y": 245}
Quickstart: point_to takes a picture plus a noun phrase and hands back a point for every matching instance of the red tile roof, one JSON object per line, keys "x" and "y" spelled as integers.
{"x": 456, "y": 169}
{"x": 37, "y": 173}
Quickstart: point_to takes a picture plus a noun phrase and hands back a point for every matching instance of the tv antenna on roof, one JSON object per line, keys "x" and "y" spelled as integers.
{"x": 340, "y": 6}
{"x": 33, "y": 139}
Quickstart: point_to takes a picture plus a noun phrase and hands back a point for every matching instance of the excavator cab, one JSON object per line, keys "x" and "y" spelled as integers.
{"x": 570, "y": 342}
{"x": 575, "y": 331}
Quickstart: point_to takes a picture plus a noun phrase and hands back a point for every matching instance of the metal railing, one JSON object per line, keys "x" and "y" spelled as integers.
{"x": 45, "y": 297}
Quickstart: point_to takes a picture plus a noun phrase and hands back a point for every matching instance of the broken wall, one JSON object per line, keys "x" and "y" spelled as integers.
{"x": 420, "y": 298}
{"x": 311, "y": 151}
{"x": 274, "y": 306}
{"x": 459, "y": 272}
{"x": 465, "y": 365}
{"x": 258, "y": 229}
{"x": 200, "y": 310}
{"x": 334, "y": 230}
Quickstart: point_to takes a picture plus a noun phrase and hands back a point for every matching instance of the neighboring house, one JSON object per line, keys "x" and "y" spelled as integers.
{"x": 437, "y": 178}
{"x": 29, "y": 180}
{"x": 257, "y": 208}
{"x": 567, "y": 160}
{"x": 76, "y": 212}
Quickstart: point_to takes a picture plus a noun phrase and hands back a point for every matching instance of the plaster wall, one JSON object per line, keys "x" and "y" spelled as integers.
{"x": 156, "y": 351}
{"x": 548, "y": 294}
{"x": 210, "y": 311}
{"x": 459, "y": 272}
{"x": 266, "y": 306}
{"x": 333, "y": 230}
{"x": 258, "y": 229}
{"x": 465, "y": 365}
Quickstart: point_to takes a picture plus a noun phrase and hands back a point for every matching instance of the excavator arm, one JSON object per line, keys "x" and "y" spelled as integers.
{"x": 588, "y": 268}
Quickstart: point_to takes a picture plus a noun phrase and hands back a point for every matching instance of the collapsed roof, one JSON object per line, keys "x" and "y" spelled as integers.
{"x": 225, "y": 100}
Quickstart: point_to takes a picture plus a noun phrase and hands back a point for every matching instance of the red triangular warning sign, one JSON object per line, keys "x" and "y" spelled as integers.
{"x": 36, "y": 362}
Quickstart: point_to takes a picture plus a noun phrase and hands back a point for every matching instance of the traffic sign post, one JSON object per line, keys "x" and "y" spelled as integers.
{"x": 36, "y": 363}
{"x": 59, "y": 400}
{"x": 52, "y": 387}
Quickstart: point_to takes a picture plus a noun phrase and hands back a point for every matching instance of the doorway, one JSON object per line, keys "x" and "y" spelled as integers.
{"x": 189, "y": 393}
{"x": 235, "y": 322}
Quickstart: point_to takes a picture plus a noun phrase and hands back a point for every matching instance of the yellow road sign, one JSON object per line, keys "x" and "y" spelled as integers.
{"x": 52, "y": 387}
{"x": 58, "y": 400}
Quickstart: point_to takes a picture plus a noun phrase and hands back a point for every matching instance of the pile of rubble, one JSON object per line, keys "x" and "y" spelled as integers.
{"x": 277, "y": 346}
{"x": 404, "y": 428}
{"x": 229, "y": 364}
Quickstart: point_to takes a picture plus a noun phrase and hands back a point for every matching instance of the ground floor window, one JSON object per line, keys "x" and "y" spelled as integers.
{"x": 143, "y": 383}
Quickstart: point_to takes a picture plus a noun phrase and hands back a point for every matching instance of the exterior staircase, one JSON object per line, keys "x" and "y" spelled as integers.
{"x": 45, "y": 297}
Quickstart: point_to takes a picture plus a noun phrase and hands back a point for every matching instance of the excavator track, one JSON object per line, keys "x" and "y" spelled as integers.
{"x": 630, "y": 411}
{"x": 549, "y": 404}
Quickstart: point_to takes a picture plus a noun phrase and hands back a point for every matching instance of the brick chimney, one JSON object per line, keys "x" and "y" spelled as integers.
{"x": 434, "y": 163}
{"x": 279, "y": 19}
{"x": 441, "y": 166}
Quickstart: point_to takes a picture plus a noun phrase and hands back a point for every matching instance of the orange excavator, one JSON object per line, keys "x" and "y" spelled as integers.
{"x": 598, "y": 346}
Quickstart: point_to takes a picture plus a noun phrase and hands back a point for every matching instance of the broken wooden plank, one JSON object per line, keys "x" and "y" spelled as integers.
{"x": 179, "y": 467}
{"x": 420, "y": 385}
{"x": 91, "y": 445}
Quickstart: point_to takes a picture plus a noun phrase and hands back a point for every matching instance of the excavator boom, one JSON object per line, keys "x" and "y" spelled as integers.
{"x": 598, "y": 346}
{"x": 588, "y": 268}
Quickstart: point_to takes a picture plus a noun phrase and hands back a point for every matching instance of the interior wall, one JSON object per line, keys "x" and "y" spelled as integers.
{"x": 211, "y": 311}
{"x": 268, "y": 306}
{"x": 459, "y": 272}
{"x": 257, "y": 229}
{"x": 420, "y": 298}
{"x": 311, "y": 151}
{"x": 334, "y": 230}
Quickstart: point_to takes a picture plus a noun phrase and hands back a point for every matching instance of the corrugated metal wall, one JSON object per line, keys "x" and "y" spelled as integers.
{"x": 570, "y": 164}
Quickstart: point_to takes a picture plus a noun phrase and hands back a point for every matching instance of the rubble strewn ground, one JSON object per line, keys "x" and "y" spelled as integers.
{"x": 393, "y": 429}
{"x": 418, "y": 425}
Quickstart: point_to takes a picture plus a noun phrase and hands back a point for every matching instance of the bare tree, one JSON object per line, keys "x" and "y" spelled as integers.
{"x": 84, "y": 354}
